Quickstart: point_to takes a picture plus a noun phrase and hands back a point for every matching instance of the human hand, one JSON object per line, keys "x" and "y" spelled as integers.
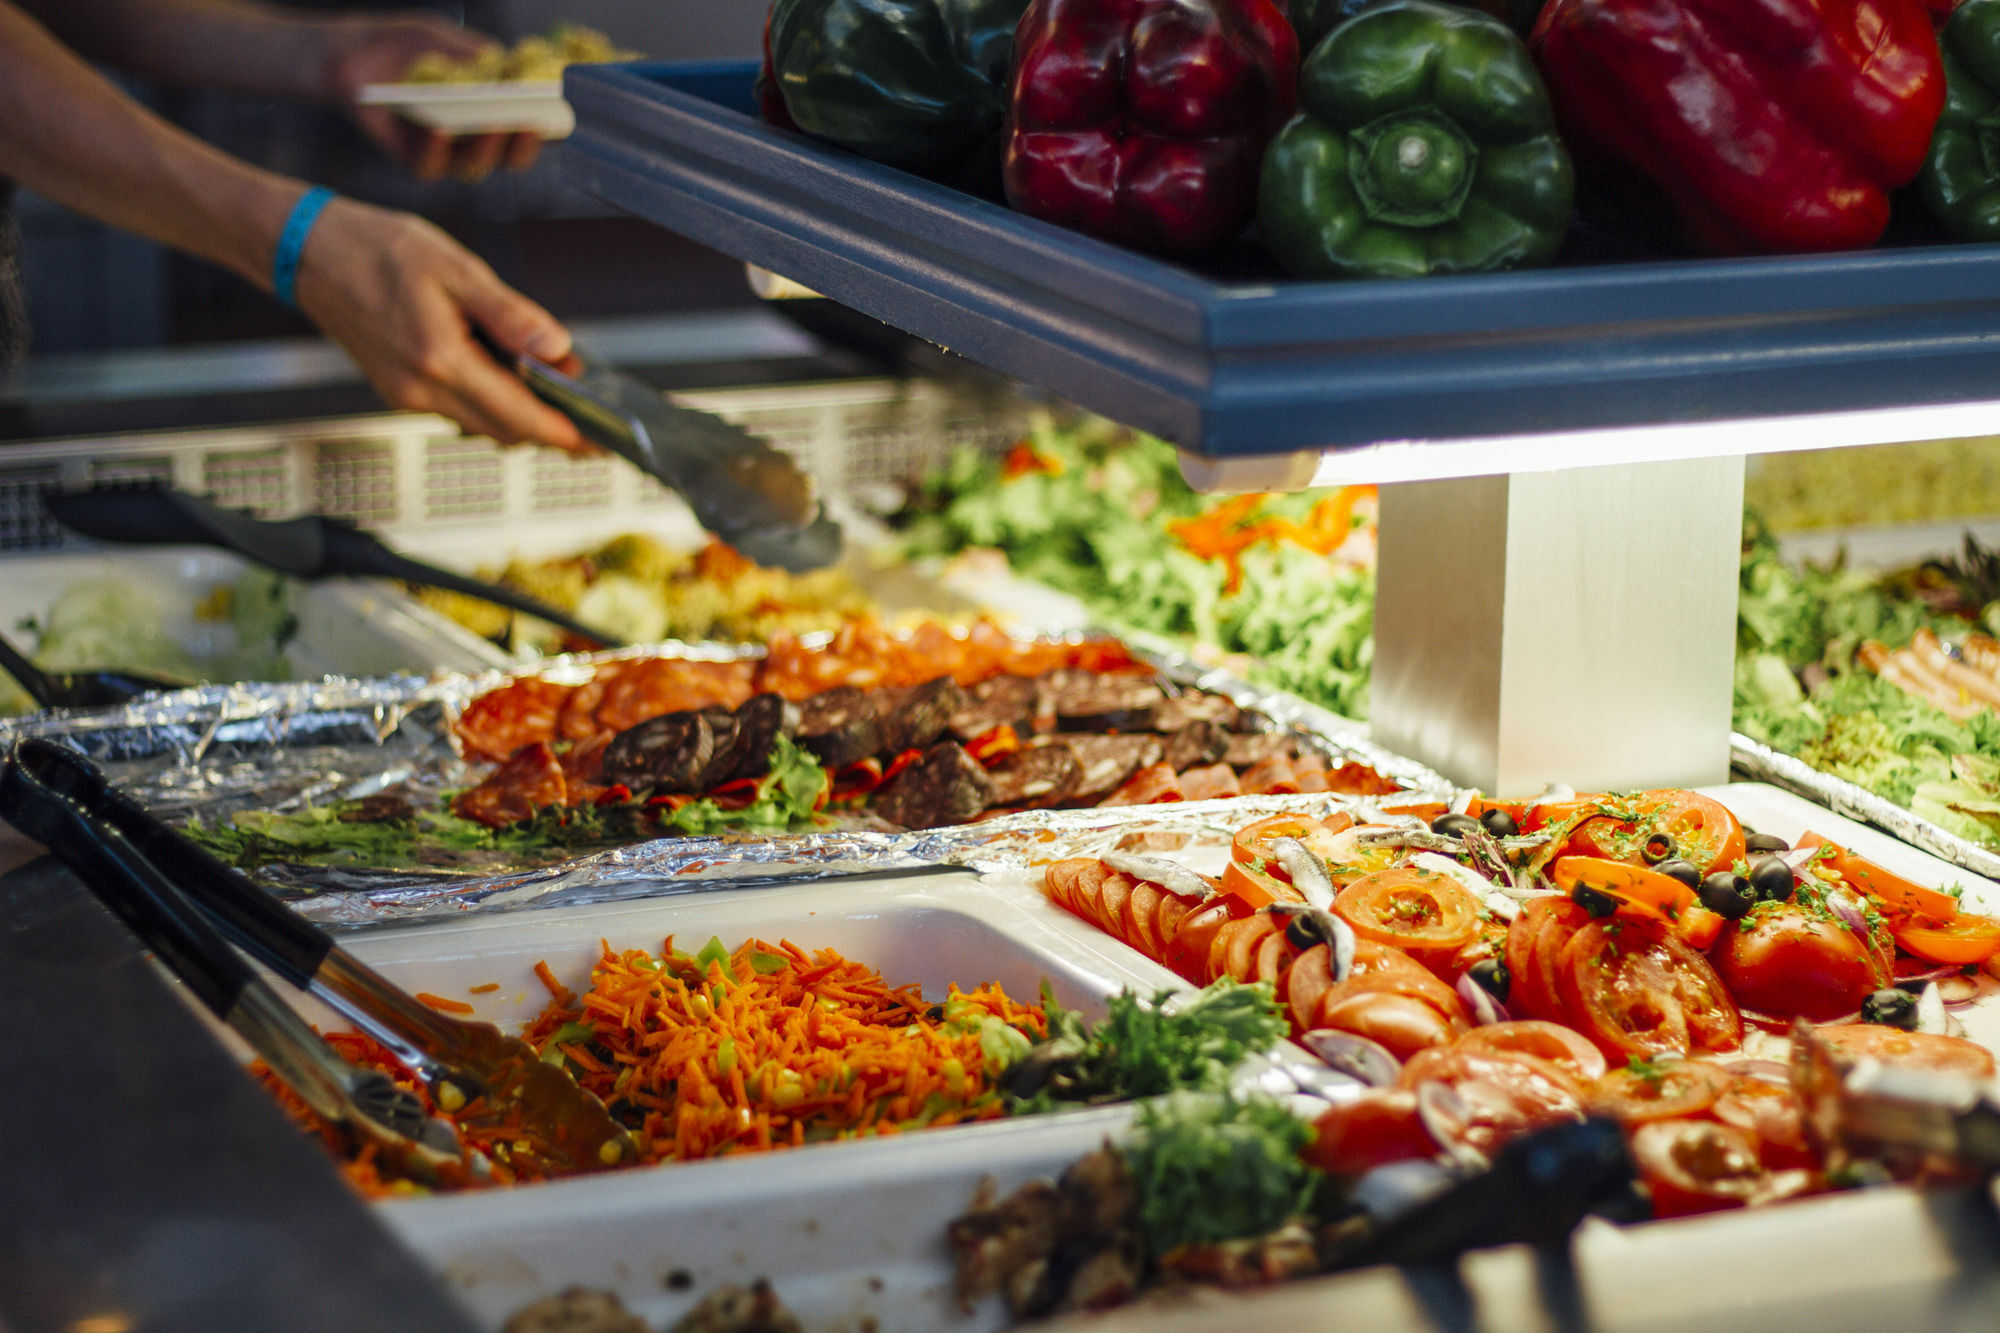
{"x": 365, "y": 50}
{"x": 401, "y": 297}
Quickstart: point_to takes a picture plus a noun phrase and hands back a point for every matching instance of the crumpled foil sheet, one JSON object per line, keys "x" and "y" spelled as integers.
{"x": 1761, "y": 763}
{"x": 213, "y": 750}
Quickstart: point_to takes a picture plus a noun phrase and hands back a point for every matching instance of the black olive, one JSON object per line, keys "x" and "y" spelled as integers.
{"x": 1765, "y": 842}
{"x": 1491, "y": 974}
{"x": 1456, "y": 825}
{"x": 1658, "y": 847}
{"x": 1500, "y": 824}
{"x": 1726, "y": 894}
{"x": 1302, "y": 933}
{"x": 1892, "y": 1008}
{"x": 935, "y": 1013}
{"x": 1771, "y": 880}
{"x": 1684, "y": 871}
{"x": 1594, "y": 901}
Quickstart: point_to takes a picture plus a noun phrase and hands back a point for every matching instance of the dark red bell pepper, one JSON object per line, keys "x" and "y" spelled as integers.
{"x": 1145, "y": 121}
{"x": 1769, "y": 125}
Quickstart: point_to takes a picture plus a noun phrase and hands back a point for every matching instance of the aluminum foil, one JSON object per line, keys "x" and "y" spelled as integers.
{"x": 1761, "y": 763}
{"x": 209, "y": 752}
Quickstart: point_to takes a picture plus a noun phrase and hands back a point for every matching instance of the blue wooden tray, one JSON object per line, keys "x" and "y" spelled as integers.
{"x": 1250, "y": 363}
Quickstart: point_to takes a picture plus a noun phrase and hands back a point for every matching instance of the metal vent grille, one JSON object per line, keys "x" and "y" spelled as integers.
{"x": 24, "y": 524}
{"x": 157, "y": 469}
{"x": 560, "y": 482}
{"x": 356, "y": 481}
{"x": 462, "y": 479}
{"x": 253, "y": 479}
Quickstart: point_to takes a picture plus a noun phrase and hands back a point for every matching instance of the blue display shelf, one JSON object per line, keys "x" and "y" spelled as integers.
{"x": 1235, "y": 365}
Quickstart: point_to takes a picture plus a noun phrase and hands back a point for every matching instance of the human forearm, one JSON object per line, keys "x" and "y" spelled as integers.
{"x": 69, "y": 134}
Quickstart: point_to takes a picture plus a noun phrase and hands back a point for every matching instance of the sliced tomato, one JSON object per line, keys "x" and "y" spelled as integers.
{"x": 1385, "y": 962}
{"x": 1424, "y": 810}
{"x": 1378, "y": 1127}
{"x": 1639, "y": 891}
{"x": 1667, "y": 1092}
{"x": 1535, "y": 942}
{"x": 1503, "y": 1093}
{"x": 1274, "y": 956}
{"x": 1792, "y": 962}
{"x": 1253, "y": 844}
{"x": 1255, "y": 888}
{"x": 1188, "y": 953}
{"x": 1966, "y": 938}
{"x": 1637, "y": 989}
{"x": 1930, "y": 1051}
{"x": 1426, "y": 913}
{"x": 1141, "y": 912}
{"x": 1560, "y": 1046}
{"x": 1234, "y": 945}
{"x": 1111, "y": 895}
{"x": 1770, "y": 1113}
{"x": 1373, "y": 1008}
{"x": 1307, "y": 980}
{"x": 1060, "y": 881}
{"x": 1899, "y": 896}
{"x": 1697, "y": 1166}
{"x": 1702, "y": 828}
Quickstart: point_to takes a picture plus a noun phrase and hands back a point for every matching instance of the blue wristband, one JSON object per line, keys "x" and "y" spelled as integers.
{"x": 292, "y": 244}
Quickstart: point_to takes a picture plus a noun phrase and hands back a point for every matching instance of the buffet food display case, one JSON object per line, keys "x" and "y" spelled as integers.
{"x": 1026, "y": 940}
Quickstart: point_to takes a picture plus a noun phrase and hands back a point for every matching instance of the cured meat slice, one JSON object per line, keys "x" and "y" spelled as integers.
{"x": 1001, "y": 701}
{"x": 1211, "y": 783}
{"x": 946, "y": 786}
{"x": 1197, "y": 743}
{"x": 1271, "y": 777}
{"x": 501, "y": 721}
{"x": 1149, "y": 786}
{"x": 653, "y": 686}
{"x": 668, "y": 753}
{"x": 1254, "y": 747}
{"x": 1185, "y": 710}
{"x": 912, "y": 718}
{"x": 839, "y": 726}
{"x": 531, "y": 779}
{"x": 1309, "y": 776}
{"x": 759, "y": 723}
{"x": 1041, "y": 775}
{"x": 1108, "y": 761}
{"x": 722, "y": 752}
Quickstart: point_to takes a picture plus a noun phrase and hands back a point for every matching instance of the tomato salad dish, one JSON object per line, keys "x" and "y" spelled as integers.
{"x": 924, "y": 728}
{"x": 1503, "y": 968}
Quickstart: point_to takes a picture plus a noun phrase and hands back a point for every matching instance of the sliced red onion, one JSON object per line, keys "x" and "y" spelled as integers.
{"x": 1797, "y": 858}
{"x": 1931, "y": 1016}
{"x": 1555, "y": 791}
{"x": 1849, "y": 909}
{"x": 1357, "y": 1057}
{"x": 1309, "y": 873}
{"x": 1479, "y": 1002}
{"x": 1768, "y": 1071}
{"x": 1462, "y": 802}
{"x": 1169, "y": 875}
{"x": 1956, "y": 990}
{"x": 1938, "y": 973}
{"x": 1445, "y": 1117}
{"x": 1773, "y": 1023}
{"x": 1501, "y": 905}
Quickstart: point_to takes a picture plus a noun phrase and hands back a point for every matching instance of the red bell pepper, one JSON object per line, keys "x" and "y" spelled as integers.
{"x": 1769, "y": 125}
{"x": 1144, "y": 121}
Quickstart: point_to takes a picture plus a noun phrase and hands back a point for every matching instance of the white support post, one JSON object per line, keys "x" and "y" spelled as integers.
{"x": 1576, "y": 626}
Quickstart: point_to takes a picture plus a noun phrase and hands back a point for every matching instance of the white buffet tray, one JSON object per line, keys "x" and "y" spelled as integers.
{"x": 851, "y": 1234}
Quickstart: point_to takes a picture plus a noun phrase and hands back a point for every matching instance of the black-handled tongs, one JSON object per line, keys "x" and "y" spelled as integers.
{"x": 1864, "y": 1108}
{"x": 182, "y": 902}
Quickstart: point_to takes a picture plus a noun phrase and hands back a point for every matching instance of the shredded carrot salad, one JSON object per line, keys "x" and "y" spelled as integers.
{"x": 766, "y": 1047}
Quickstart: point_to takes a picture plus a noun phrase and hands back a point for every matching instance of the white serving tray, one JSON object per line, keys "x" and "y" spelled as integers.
{"x": 523, "y": 106}
{"x": 346, "y": 627}
{"x": 851, "y": 1234}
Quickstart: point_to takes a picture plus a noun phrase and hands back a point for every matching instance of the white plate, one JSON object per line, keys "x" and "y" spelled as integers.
{"x": 529, "y": 106}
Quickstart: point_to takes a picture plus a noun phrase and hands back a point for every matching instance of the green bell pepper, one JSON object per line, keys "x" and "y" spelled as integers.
{"x": 1424, "y": 144}
{"x": 918, "y": 84}
{"x": 1960, "y": 179}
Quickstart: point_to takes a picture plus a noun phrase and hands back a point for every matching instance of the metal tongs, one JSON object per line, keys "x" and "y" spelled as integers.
{"x": 1863, "y": 1108}
{"x": 183, "y": 902}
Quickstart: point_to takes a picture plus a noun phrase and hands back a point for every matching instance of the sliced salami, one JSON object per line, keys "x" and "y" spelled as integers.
{"x": 1274, "y": 776}
{"x": 1000, "y": 701}
{"x": 839, "y": 726}
{"x": 722, "y": 756}
{"x": 1211, "y": 783}
{"x": 918, "y": 716}
{"x": 1152, "y": 785}
{"x": 946, "y": 786}
{"x": 1108, "y": 761}
{"x": 1042, "y": 775}
{"x": 1254, "y": 747}
{"x": 759, "y": 723}
{"x": 1185, "y": 710}
{"x": 667, "y": 753}
{"x": 1197, "y": 744}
